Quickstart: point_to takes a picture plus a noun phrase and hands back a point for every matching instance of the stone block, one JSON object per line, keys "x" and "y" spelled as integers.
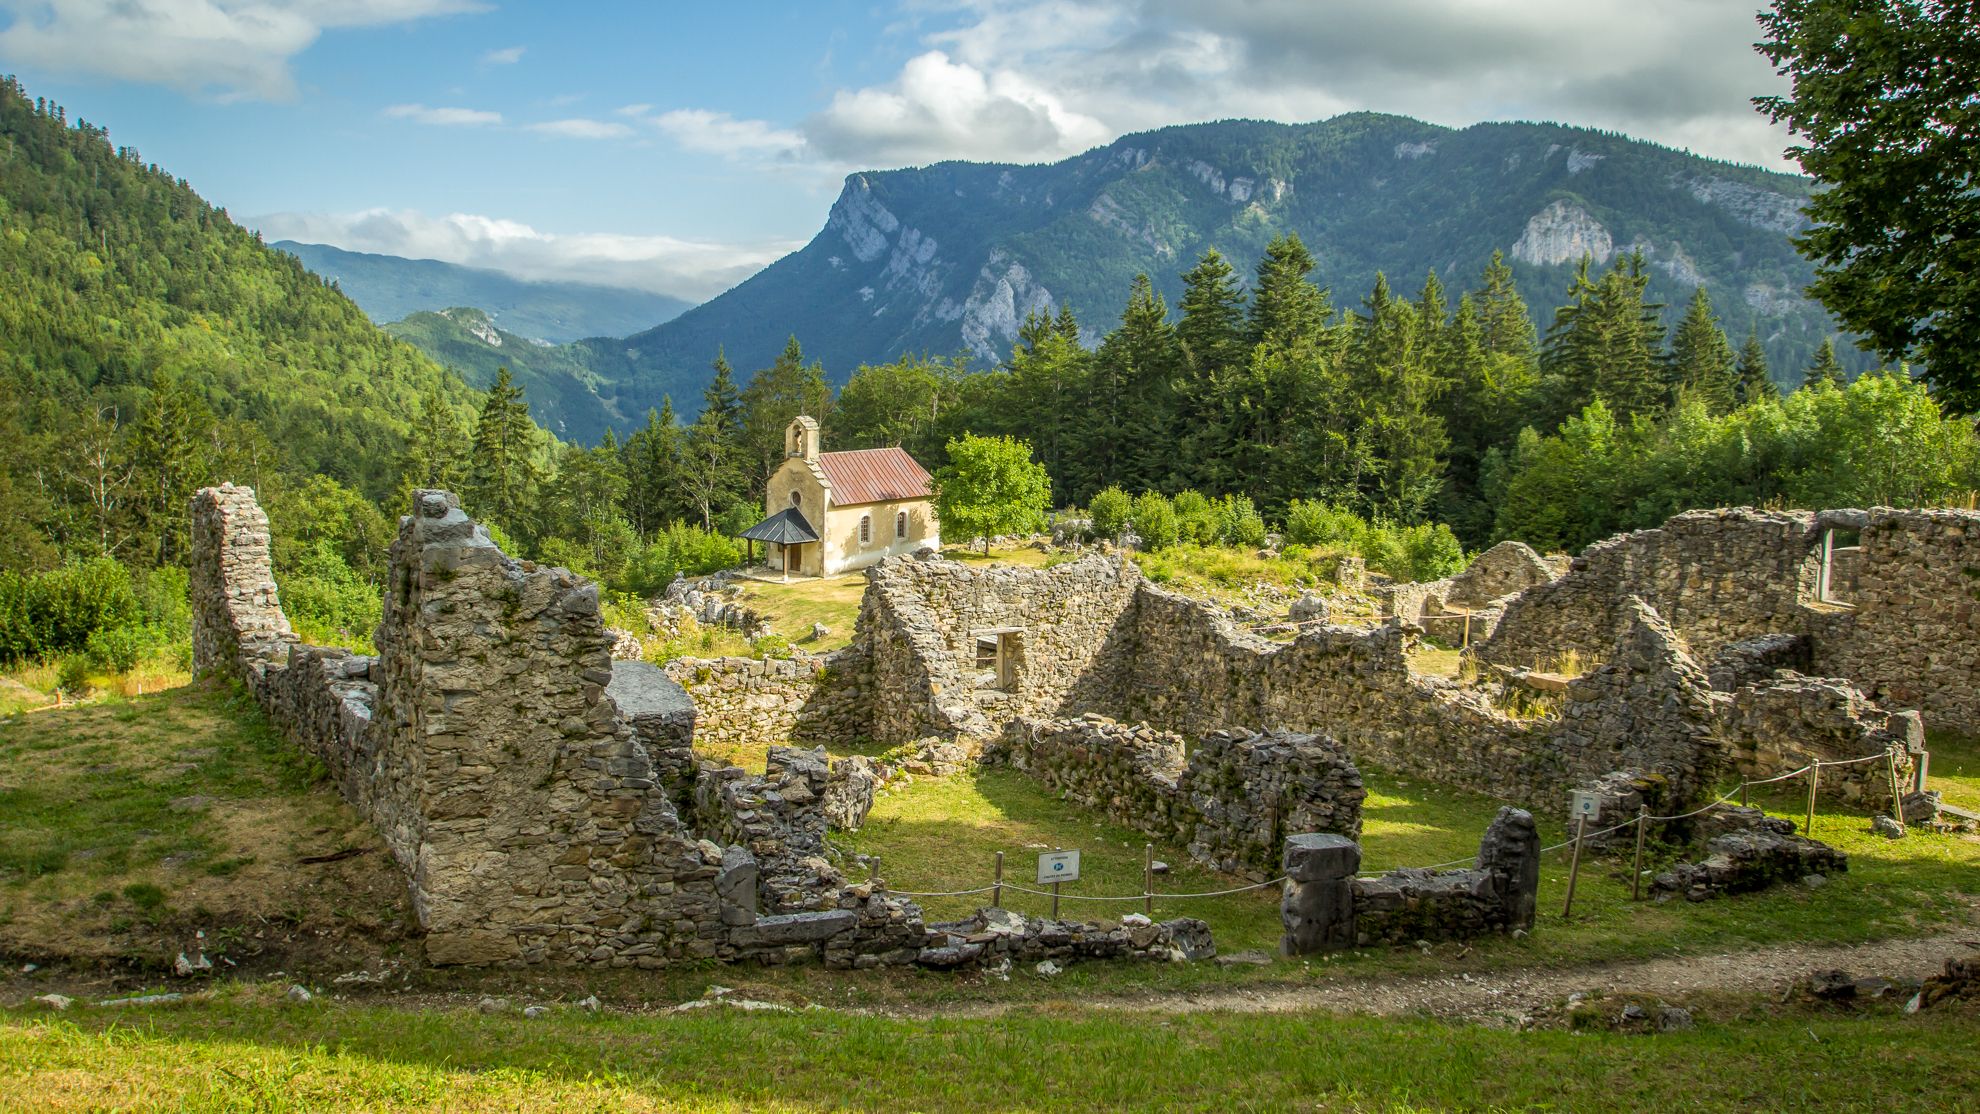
{"x": 794, "y": 928}
{"x": 1320, "y": 856}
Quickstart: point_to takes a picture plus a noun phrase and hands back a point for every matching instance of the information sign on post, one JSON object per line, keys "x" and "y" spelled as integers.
{"x": 1058, "y": 866}
{"x": 1585, "y": 806}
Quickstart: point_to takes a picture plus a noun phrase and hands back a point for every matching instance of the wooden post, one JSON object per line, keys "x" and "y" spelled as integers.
{"x": 1574, "y": 865}
{"x": 1745, "y": 789}
{"x": 1055, "y": 890}
{"x": 1814, "y": 779}
{"x": 1465, "y": 642}
{"x": 997, "y": 892}
{"x": 1636, "y": 879}
{"x": 1924, "y": 767}
{"x": 1148, "y": 879}
{"x": 1897, "y": 799}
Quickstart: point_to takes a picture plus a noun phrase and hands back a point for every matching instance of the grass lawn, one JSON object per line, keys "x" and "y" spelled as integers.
{"x": 939, "y": 835}
{"x": 792, "y": 608}
{"x": 128, "y": 822}
{"x": 243, "y": 1049}
{"x": 1955, "y": 770}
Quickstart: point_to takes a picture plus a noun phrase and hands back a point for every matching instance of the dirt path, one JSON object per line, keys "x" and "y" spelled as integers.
{"x": 1505, "y": 996}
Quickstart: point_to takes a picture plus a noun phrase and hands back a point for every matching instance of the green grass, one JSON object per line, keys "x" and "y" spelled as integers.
{"x": 791, "y": 609}
{"x": 940, "y": 835}
{"x": 245, "y": 1050}
{"x": 1955, "y": 770}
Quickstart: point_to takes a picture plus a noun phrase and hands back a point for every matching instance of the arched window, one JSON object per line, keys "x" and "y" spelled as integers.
{"x": 866, "y": 529}
{"x": 900, "y": 524}
{"x": 797, "y": 501}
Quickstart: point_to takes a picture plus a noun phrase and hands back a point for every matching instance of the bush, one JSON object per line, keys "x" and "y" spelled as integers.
{"x": 681, "y": 548}
{"x": 73, "y": 674}
{"x": 1110, "y": 512}
{"x": 1318, "y": 523}
{"x": 323, "y": 597}
{"x": 1154, "y": 519}
{"x": 1196, "y": 519}
{"x": 1239, "y": 523}
{"x": 50, "y": 613}
{"x": 1432, "y": 552}
{"x": 119, "y": 649}
{"x": 772, "y": 645}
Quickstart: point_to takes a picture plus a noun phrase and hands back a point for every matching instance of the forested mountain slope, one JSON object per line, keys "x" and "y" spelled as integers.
{"x": 114, "y": 274}
{"x": 390, "y": 288}
{"x": 562, "y": 392}
{"x": 951, "y": 257}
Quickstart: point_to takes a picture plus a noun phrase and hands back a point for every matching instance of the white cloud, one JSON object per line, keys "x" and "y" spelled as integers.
{"x": 693, "y": 270}
{"x": 1032, "y": 80}
{"x": 233, "y": 49}
{"x": 454, "y": 117}
{"x": 582, "y": 129}
{"x": 938, "y": 108}
{"x": 700, "y": 130}
{"x": 633, "y": 110}
{"x": 507, "y": 57}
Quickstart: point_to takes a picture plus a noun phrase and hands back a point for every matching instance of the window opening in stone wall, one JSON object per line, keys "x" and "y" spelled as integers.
{"x": 866, "y": 529}
{"x": 797, "y": 500}
{"x": 997, "y": 652}
{"x": 900, "y": 524}
{"x": 1842, "y": 552}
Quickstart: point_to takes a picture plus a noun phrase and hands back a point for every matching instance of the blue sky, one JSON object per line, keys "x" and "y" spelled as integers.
{"x": 678, "y": 147}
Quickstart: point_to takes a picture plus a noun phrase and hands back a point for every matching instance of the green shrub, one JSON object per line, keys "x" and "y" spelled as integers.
{"x": 1196, "y": 518}
{"x": 1382, "y": 548}
{"x": 73, "y": 674}
{"x": 322, "y": 596}
{"x": 119, "y": 649}
{"x": 50, "y": 613}
{"x": 1154, "y": 519}
{"x": 681, "y": 548}
{"x": 772, "y": 645}
{"x": 1111, "y": 511}
{"x": 1239, "y": 523}
{"x": 1318, "y": 523}
{"x": 1432, "y": 552}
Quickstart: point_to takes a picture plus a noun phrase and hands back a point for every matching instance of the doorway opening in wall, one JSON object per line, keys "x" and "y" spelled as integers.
{"x": 1842, "y": 551}
{"x": 997, "y": 658}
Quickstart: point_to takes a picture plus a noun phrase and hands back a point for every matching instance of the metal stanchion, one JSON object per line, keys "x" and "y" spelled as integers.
{"x": 997, "y": 893}
{"x": 1814, "y": 779}
{"x": 1148, "y": 879}
{"x": 1055, "y": 890}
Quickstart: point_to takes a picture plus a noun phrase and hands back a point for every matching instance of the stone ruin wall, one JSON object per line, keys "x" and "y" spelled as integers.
{"x": 917, "y": 622}
{"x": 1907, "y": 637}
{"x": 750, "y": 703}
{"x": 534, "y": 816}
{"x": 1231, "y": 804}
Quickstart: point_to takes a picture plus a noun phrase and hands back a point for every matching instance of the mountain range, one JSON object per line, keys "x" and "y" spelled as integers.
{"x": 389, "y": 288}
{"x": 950, "y": 258}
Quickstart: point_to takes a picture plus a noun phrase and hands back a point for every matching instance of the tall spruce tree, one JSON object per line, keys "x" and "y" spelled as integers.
{"x": 1756, "y": 384}
{"x": 1211, "y": 351}
{"x": 776, "y": 395}
{"x": 1285, "y": 308}
{"x": 171, "y": 446}
{"x": 652, "y": 461}
{"x": 1604, "y": 343}
{"x": 435, "y": 453}
{"x": 1388, "y": 362}
{"x": 1702, "y": 363}
{"x": 504, "y": 475}
{"x": 1127, "y": 439}
{"x": 1825, "y": 368}
{"x": 1047, "y": 383}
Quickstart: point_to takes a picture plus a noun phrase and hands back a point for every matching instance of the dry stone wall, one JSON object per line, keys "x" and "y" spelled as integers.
{"x": 920, "y": 620}
{"x": 750, "y": 703}
{"x": 238, "y": 623}
{"x": 1231, "y": 804}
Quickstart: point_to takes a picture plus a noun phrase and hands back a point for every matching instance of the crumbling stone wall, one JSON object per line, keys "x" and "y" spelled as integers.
{"x": 747, "y": 703}
{"x": 1503, "y": 570}
{"x": 1231, "y": 804}
{"x": 1912, "y": 639}
{"x": 238, "y": 625}
{"x": 1714, "y": 576}
{"x": 919, "y": 620}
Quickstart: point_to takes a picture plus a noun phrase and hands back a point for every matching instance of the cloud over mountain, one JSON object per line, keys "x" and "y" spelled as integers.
{"x": 691, "y": 270}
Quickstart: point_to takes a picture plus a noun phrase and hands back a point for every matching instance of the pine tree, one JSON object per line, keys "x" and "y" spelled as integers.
{"x": 504, "y": 475}
{"x": 1286, "y": 308}
{"x": 1130, "y": 401}
{"x": 776, "y": 395}
{"x": 1702, "y": 362}
{"x": 721, "y": 397}
{"x": 1505, "y": 327}
{"x": 1604, "y": 342}
{"x": 170, "y": 445}
{"x": 1826, "y": 368}
{"x": 1048, "y": 378}
{"x": 651, "y": 460}
{"x": 1389, "y": 373}
{"x": 1756, "y": 384}
{"x": 435, "y": 453}
{"x": 1211, "y": 332}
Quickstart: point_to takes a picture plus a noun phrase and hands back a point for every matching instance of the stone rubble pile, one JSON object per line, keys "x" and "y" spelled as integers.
{"x": 996, "y": 934}
{"x": 1745, "y": 860}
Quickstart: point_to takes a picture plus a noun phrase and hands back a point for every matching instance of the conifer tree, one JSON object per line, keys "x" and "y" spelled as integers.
{"x": 1702, "y": 362}
{"x": 1604, "y": 342}
{"x": 1389, "y": 373}
{"x": 170, "y": 444}
{"x": 435, "y": 454}
{"x": 721, "y": 397}
{"x": 1825, "y": 368}
{"x": 1286, "y": 308}
{"x": 1048, "y": 373}
{"x": 1211, "y": 332}
{"x": 1505, "y": 327}
{"x": 504, "y": 475}
{"x": 776, "y": 395}
{"x": 1756, "y": 384}
{"x": 1127, "y": 438}
{"x": 651, "y": 459}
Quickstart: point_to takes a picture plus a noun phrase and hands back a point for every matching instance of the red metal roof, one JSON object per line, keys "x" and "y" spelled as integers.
{"x": 873, "y": 476}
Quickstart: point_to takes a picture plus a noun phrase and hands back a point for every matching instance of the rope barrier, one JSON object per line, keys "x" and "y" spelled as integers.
{"x": 1728, "y": 795}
